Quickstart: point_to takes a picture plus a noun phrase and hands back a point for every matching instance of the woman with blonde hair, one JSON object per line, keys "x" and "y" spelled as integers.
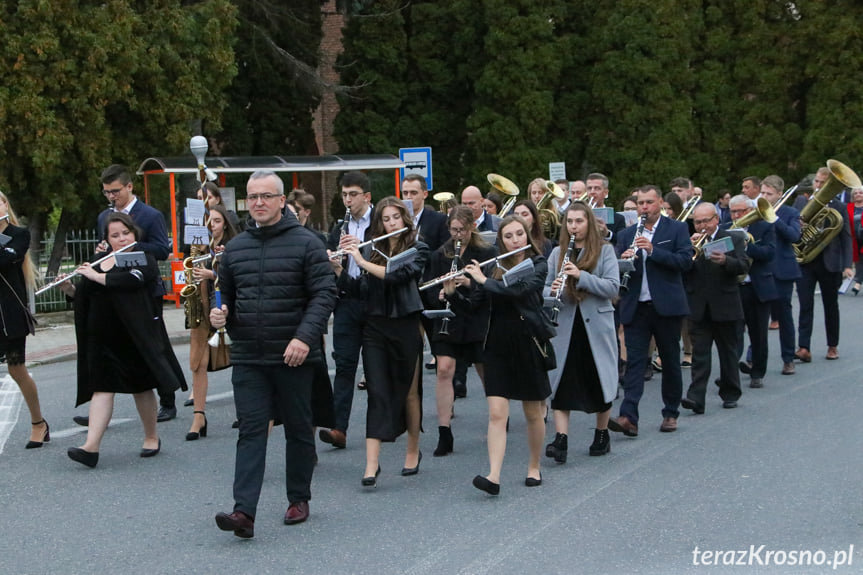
{"x": 18, "y": 275}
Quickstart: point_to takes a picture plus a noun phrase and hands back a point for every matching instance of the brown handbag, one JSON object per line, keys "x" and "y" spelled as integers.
{"x": 220, "y": 356}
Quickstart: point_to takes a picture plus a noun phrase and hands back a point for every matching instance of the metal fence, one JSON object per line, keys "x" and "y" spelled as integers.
{"x": 80, "y": 246}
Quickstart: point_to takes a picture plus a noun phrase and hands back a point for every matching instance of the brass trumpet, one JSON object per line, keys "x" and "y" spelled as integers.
{"x": 506, "y": 187}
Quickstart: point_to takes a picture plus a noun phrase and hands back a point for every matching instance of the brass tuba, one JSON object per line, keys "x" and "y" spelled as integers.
{"x": 549, "y": 217}
{"x": 820, "y": 224}
{"x": 443, "y": 198}
{"x": 507, "y": 188}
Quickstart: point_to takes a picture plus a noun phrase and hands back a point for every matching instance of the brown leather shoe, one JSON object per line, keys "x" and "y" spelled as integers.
{"x": 241, "y": 524}
{"x": 297, "y": 513}
{"x": 773, "y": 325}
{"x": 334, "y": 437}
{"x": 803, "y": 355}
{"x": 832, "y": 352}
{"x": 788, "y": 368}
{"x": 669, "y": 424}
{"x": 623, "y": 425}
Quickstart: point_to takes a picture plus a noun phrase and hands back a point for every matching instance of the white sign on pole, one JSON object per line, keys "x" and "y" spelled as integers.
{"x": 556, "y": 171}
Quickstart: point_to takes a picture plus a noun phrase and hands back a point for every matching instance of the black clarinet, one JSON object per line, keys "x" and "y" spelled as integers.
{"x": 561, "y": 275}
{"x": 624, "y": 279}
{"x": 453, "y": 268}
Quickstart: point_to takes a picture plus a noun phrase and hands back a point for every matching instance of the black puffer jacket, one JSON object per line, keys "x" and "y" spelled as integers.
{"x": 278, "y": 285}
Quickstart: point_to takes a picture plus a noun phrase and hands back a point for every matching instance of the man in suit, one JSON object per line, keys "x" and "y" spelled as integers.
{"x": 430, "y": 224}
{"x": 786, "y": 270}
{"x": 118, "y": 188}
{"x": 751, "y": 187}
{"x": 597, "y": 187}
{"x": 472, "y": 198}
{"x": 757, "y": 290}
{"x": 654, "y": 305}
{"x": 827, "y": 270}
{"x": 714, "y": 310}
{"x": 349, "y": 316}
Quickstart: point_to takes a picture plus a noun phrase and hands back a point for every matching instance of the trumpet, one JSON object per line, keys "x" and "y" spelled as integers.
{"x": 639, "y": 231}
{"x": 341, "y": 253}
{"x": 442, "y": 198}
{"x": 461, "y": 272}
{"x": 453, "y": 268}
{"x": 561, "y": 275}
{"x": 507, "y": 188}
{"x": 55, "y": 283}
{"x": 699, "y": 245}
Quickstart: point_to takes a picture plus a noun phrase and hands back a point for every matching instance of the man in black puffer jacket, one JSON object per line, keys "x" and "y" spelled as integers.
{"x": 278, "y": 292}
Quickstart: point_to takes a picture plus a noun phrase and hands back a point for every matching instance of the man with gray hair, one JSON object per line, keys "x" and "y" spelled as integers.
{"x": 278, "y": 292}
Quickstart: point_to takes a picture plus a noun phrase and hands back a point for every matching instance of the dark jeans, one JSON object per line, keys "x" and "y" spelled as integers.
{"x": 756, "y": 319}
{"x": 260, "y": 393}
{"x": 349, "y": 319}
{"x": 704, "y": 333}
{"x": 829, "y": 282}
{"x": 166, "y": 398}
{"x": 666, "y": 333}
{"x": 781, "y": 312}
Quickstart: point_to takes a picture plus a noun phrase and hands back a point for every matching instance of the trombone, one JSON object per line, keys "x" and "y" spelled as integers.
{"x": 461, "y": 272}
{"x": 688, "y": 208}
{"x": 75, "y": 273}
{"x": 506, "y": 187}
{"x": 341, "y": 253}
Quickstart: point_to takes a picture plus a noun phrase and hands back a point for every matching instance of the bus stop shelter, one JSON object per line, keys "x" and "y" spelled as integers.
{"x": 222, "y": 166}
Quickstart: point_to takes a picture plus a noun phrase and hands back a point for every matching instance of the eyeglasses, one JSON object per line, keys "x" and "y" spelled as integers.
{"x": 113, "y": 192}
{"x": 253, "y": 198}
{"x": 455, "y": 231}
{"x": 351, "y": 194}
{"x": 699, "y": 222}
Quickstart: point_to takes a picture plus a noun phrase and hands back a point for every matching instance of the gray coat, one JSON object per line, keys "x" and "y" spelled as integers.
{"x": 598, "y": 313}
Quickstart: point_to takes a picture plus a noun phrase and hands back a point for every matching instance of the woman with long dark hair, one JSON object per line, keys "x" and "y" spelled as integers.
{"x": 585, "y": 378}
{"x": 18, "y": 275}
{"x": 527, "y": 210}
{"x": 199, "y": 349}
{"x": 392, "y": 339}
{"x": 513, "y": 356}
{"x": 466, "y": 331}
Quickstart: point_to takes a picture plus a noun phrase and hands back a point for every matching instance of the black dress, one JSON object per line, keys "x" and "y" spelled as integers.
{"x": 579, "y": 389}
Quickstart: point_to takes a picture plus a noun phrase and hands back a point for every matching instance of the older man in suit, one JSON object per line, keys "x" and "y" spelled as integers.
{"x": 715, "y": 310}
{"x": 786, "y": 270}
{"x": 472, "y": 198}
{"x": 757, "y": 290}
{"x": 430, "y": 225}
{"x": 653, "y": 305}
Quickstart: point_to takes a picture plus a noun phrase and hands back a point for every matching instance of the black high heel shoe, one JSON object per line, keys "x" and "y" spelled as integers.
{"x": 406, "y": 471}
{"x": 152, "y": 452}
{"x": 88, "y": 458}
{"x": 46, "y": 437}
{"x": 194, "y": 435}
{"x": 372, "y": 481}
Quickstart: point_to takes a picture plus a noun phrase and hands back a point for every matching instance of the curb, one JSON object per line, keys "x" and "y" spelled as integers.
{"x": 60, "y": 354}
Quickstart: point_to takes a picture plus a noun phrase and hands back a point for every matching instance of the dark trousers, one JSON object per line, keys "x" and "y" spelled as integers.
{"x": 756, "y": 317}
{"x": 781, "y": 312}
{"x": 704, "y": 333}
{"x": 260, "y": 393}
{"x": 666, "y": 333}
{"x": 829, "y": 282}
{"x": 166, "y": 398}
{"x": 348, "y": 322}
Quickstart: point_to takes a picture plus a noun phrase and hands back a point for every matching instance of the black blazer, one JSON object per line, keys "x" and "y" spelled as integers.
{"x": 433, "y": 230}
{"x": 714, "y": 287}
{"x": 761, "y": 252}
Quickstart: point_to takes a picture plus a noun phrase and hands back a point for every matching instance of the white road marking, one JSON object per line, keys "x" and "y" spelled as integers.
{"x": 79, "y": 429}
{"x": 10, "y": 406}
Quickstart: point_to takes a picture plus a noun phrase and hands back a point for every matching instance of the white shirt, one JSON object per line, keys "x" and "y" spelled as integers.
{"x": 128, "y": 207}
{"x": 357, "y": 228}
{"x": 645, "y": 289}
{"x": 417, "y": 221}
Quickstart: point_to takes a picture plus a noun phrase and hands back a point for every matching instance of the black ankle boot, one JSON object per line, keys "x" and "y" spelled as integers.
{"x": 444, "y": 442}
{"x": 557, "y": 448}
{"x": 601, "y": 442}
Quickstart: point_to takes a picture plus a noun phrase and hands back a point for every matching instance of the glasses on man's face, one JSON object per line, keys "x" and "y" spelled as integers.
{"x": 254, "y": 198}
{"x": 113, "y": 192}
{"x": 352, "y": 194}
{"x": 457, "y": 231}
{"x": 702, "y": 222}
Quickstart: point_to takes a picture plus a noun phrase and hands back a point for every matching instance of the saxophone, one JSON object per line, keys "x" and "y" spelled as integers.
{"x": 193, "y": 303}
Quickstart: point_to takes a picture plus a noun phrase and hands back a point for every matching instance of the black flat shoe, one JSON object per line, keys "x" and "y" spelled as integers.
{"x": 82, "y": 420}
{"x": 151, "y": 452}
{"x": 372, "y": 481}
{"x": 531, "y": 482}
{"x": 194, "y": 435}
{"x": 484, "y": 484}
{"x": 413, "y": 470}
{"x": 46, "y": 437}
{"x": 188, "y": 403}
{"x": 84, "y": 457}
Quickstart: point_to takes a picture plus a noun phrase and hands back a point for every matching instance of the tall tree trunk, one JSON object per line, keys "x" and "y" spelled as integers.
{"x": 59, "y": 243}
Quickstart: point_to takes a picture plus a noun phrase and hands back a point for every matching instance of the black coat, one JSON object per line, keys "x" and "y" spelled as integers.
{"x": 433, "y": 229}
{"x": 714, "y": 287}
{"x": 13, "y": 321}
{"x": 278, "y": 285}
{"x": 129, "y": 291}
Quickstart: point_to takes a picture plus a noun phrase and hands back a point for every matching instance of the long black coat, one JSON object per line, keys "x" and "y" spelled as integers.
{"x": 13, "y": 323}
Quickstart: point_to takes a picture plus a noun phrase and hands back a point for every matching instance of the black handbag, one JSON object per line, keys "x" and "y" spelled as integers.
{"x": 28, "y": 315}
{"x": 546, "y": 350}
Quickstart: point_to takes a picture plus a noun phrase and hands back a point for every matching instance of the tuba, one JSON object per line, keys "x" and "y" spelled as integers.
{"x": 507, "y": 188}
{"x": 443, "y": 198}
{"x": 549, "y": 216}
{"x": 820, "y": 224}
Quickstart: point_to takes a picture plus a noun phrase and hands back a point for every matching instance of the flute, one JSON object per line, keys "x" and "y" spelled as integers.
{"x": 75, "y": 273}
{"x": 340, "y": 253}
{"x": 453, "y": 275}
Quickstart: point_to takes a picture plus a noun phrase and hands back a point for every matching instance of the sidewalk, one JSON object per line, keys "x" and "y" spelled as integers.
{"x": 55, "y": 335}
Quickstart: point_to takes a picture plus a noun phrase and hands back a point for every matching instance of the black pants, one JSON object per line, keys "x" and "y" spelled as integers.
{"x": 756, "y": 318}
{"x": 829, "y": 282}
{"x": 704, "y": 333}
{"x": 349, "y": 319}
{"x": 260, "y": 392}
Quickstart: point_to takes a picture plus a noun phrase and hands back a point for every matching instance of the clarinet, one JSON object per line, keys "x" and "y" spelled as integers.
{"x": 453, "y": 268}
{"x": 624, "y": 280}
{"x": 561, "y": 275}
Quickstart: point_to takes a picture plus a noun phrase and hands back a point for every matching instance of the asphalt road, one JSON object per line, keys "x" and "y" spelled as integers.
{"x": 783, "y": 471}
